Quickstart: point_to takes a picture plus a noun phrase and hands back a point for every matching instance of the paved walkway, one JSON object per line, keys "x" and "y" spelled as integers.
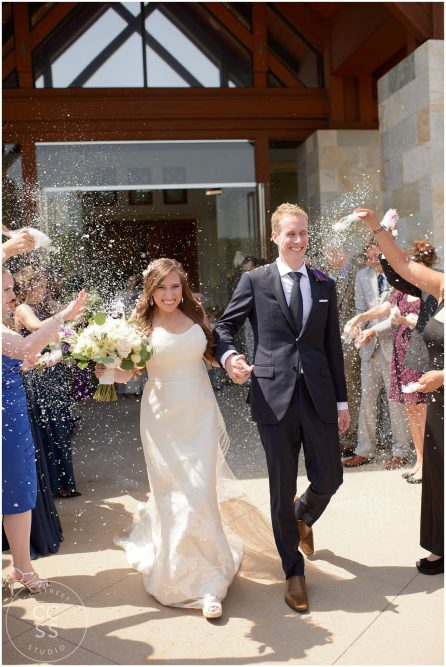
{"x": 368, "y": 603}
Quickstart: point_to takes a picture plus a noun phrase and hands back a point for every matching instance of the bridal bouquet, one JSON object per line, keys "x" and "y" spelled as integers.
{"x": 115, "y": 343}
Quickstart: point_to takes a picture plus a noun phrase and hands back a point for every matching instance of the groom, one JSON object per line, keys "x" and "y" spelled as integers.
{"x": 298, "y": 393}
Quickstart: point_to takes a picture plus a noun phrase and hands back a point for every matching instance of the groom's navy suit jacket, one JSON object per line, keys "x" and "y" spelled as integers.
{"x": 259, "y": 296}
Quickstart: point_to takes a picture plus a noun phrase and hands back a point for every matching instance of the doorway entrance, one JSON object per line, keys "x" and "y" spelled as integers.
{"x": 176, "y": 240}
{"x": 129, "y": 246}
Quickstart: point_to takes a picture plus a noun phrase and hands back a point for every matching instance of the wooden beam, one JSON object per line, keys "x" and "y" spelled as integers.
{"x": 335, "y": 88}
{"x": 437, "y": 20}
{"x": 146, "y": 132}
{"x": 413, "y": 17}
{"x": 305, "y": 22}
{"x": 45, "y": 26}
{"x": 8, "y": 46}
{"x": 8, "y": 64}
{"x": 283, "y": 73}
{"x": 161, "y": 104}
{"x": 367, "y": 105}
{"x": 352, "y": 26}
{"x": 247, "y": 39}
{"x": 49, "y": 22}
{"x": 233, "y": 25}
{"x": 377, "y": 47}
{"x": 260, "y": 44}
{"x": 262, "y": 158}
{"x": 22, "y": 44}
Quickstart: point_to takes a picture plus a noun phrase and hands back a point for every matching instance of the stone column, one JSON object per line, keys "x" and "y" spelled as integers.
{"x": 338, "y": 170}
{"x": 410, "y": 99}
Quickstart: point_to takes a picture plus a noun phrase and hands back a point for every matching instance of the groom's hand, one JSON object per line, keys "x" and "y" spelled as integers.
{"x": 343, "y": 420}
{"x": 237, "y": 368}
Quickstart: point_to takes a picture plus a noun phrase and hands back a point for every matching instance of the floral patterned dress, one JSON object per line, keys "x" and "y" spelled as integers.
{"x": 400, "y": 374}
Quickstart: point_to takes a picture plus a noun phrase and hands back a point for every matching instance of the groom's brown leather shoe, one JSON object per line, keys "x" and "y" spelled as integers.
{"x": 296, "y": 593}
{"x": 306, "y": 538}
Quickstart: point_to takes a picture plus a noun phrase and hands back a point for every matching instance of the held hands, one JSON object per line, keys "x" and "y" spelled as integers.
{"x": 343, "y": 421}
{"x": 364, "y": 338}
{"x": 237, "y": 368}
{"x": 431, "y": 381}
{"x": 353, "y": 323}
{"x": 352, "y": 328}
{"x": 395, "y": 318}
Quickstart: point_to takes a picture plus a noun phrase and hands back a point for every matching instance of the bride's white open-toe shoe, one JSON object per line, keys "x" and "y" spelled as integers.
{"x": 212, "y": 607}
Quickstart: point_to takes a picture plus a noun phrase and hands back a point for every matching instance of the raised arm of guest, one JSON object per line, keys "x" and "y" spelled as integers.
{"x": 25, "y": 348}
{"x": 375, "y": 313}
{"x": 421, "y": 276}
{"x": 25, "y": 317}
{"x": 395, "y": 280}
{"x": 18, "y": 244}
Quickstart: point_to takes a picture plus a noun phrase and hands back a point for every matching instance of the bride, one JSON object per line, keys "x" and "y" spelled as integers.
{"x": 178, "y": 542}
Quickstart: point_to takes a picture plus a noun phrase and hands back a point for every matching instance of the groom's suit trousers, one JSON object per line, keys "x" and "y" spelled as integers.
{"x": 282, "y": 442}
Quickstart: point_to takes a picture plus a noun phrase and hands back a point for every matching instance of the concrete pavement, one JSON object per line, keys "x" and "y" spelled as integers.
{"x": 368, "y": 604}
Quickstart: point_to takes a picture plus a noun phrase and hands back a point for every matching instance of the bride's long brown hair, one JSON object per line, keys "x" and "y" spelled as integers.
{"x": 191, "y": 307}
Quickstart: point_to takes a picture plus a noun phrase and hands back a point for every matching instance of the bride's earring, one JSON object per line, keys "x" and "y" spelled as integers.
{"x": 182, "y": 299}
{"x": 151, "y": 301}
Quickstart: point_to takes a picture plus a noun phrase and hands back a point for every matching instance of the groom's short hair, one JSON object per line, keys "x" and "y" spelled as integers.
{"x": 283, "y": 210}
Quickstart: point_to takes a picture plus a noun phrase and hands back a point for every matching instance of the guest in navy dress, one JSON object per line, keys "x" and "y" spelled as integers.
{"x": 49, "y": 391}
{"x": 19, "y": 479}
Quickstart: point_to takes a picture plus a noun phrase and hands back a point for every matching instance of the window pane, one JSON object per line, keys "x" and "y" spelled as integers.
{"x": 196, "y": 49}
{"x": 160, "y": 74}
{"x": 298, "y": 56}
{"x": 79, "y": 165}
{"x": 183, "y": 52}
{"x": 116, "y": 71}
{"x": 99, "y": 45}
{"x": 193, "y": 201}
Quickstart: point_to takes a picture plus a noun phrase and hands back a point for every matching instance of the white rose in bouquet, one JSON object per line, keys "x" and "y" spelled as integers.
{"x": 113, "y": 343}
{"x": 124, "y": 347}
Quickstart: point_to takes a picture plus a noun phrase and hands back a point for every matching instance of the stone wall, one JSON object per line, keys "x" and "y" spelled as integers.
{"x": 338, "y": 170}
{"x": 411, "y": 125}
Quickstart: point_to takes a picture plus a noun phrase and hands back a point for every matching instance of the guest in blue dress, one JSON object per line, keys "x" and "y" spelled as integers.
{"x": 18, "y": 456}
{"x": 19, "y": 478}
{"x": 46, "y": 531}
{"x": 49, "y": 392}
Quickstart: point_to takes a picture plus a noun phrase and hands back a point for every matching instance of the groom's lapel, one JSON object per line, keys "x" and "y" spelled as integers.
{"x": 278, "y": 291}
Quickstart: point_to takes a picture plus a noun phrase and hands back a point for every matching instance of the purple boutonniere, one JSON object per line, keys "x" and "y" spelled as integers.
{"x": 320, "y": 276}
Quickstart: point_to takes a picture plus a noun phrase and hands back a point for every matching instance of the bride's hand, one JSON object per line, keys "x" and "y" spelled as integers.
{"x": 99, "y": 370}
{"x": 121, "y": 376}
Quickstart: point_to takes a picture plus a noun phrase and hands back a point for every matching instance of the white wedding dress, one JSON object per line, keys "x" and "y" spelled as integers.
{"x": 178, "y": 542}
